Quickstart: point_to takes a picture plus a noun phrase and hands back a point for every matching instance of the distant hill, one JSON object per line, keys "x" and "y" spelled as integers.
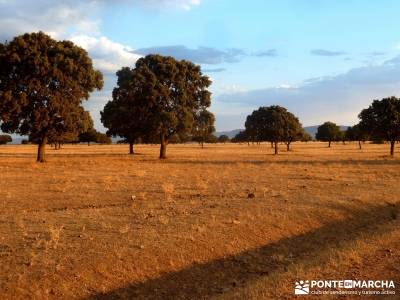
{"x": 312, "y": 130}
{"x": 230, "y": 133}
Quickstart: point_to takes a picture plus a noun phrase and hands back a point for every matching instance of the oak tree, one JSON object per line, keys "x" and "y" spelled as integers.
{"x": 274, "y": 124}
{"x": 382, "y": 120}
{"x": 169, "y": 94}
{"x": 356, "y": 133}
{"x": 203, "y": 126}
{"x": 328, "y": 132}
{"x": 223, "y": 139}
{"x": 127, "y": 114}
{"x": 42, "y": 85}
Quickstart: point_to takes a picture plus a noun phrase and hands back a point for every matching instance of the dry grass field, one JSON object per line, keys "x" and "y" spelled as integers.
{"x": 223, "y": 222}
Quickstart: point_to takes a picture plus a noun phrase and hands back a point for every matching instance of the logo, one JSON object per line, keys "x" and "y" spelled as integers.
{"x": 302, "y": 287}
{"x": 345, "y": 287}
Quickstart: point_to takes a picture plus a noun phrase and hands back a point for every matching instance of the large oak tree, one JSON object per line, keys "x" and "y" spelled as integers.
{"x": 42, "y": 85}
{"x": 161, "y": 97}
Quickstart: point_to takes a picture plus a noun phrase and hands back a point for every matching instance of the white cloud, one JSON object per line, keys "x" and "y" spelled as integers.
{"x": 181, "y": 4}
{"x": 107, "y": 55}
{"x": 17, "y": 17}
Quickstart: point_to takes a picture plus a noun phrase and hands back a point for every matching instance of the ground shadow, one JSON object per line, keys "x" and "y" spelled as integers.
{"x": 203, "y": 281}
{"x": 55, "y": 155}
{"x": 370, "y": 162}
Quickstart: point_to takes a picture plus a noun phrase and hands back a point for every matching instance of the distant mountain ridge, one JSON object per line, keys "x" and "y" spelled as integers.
{"x": 230, "y": 133}
{"x": 311, "y": 130}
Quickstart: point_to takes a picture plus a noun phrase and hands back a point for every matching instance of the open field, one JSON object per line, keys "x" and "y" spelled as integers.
{"x": 223, "y": 222}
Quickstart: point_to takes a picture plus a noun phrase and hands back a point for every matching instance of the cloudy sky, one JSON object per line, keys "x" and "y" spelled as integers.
{"x": 323, "y": 60}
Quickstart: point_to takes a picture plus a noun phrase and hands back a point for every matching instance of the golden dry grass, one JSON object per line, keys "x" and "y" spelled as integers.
{"x": 94, "y": 222}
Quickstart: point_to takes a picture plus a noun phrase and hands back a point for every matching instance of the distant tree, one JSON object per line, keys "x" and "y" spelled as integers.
{"x": 356, "y": 133}
{"x": 170, "y": 93}
{"x": 293, "y": 129}
{"x": 306, "y": 137}
{"x": 25, "y": 142}
{"x": 382, "y": 120}
{"x": 328, "y": 132}
{"x": 175, "y": 139}
{"x": 102, "y": 138}
{"x": 223, "y": 139}
{"x": 341, "y": 137}
{"x": 42, "y": 85}
{"x": 5, "y": 138}
{"x": 203, "y": 126}
{"x": 90, "y": 136}
{"x": 127, "y": 115}
{"x": 274, "y": 124}
{"x": 240, "y": 137}
{"x": 211, "y": 139}
{"x": 79, "y": 122}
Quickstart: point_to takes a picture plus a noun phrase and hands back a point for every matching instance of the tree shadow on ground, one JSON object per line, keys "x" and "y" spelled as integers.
{"x": 203, "y": 281}
{"x": 369, "y": 162}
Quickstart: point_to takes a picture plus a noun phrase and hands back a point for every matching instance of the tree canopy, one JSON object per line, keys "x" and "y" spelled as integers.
{"x": 78, "y": 122}
{"x": 127, "y": 114}
{"x": 223, "y": 139}
{"x": 356, "y": 133}
{"x": 42, "y": 85}
{"x": 240, "y": 137}
{"x": 94, "y": 136}
{"x": 203, "y": 126}
{"x": 328, "y": 132}
{"x": 382, "y": 120}
{"x": 274, "y": 124}
{"x": 161, "y": 97}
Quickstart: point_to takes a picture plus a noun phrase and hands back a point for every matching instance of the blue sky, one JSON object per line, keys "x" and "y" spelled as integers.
{"x": 323, "y": 60}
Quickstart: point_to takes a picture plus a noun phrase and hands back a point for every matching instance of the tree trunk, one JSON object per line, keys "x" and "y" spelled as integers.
{"x": 276, "y": 148}
{"x": 202, "y": 144}
{"x": 288, "y": 146}
{"x": 88, "y": 143}
{"x": 41, "y": 153}
{"x": 359, "y": 145}
{"x": 163, "y": 147}
{"x": 329, "y": 145}
{"x": 131, "y": 148}
{"x": 392, "y": 144}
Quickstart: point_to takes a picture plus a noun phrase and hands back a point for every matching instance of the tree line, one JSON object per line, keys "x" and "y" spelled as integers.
{"x": 379, "y": 122}
{"x": 43, "y": 83}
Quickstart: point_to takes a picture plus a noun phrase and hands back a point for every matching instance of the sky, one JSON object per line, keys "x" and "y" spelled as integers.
{"x": 322, "y": 60}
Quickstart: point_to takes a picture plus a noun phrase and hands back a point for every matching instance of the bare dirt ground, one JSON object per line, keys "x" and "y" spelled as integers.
{"x": 223, "y": 222}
